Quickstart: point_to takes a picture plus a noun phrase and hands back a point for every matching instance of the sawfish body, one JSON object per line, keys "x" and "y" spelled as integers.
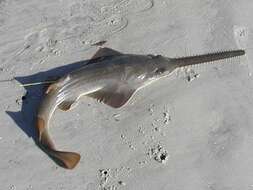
{"x": 111, "y": 78}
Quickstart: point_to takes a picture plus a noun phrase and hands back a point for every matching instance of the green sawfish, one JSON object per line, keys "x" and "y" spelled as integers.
{"x": 111, "y": 78}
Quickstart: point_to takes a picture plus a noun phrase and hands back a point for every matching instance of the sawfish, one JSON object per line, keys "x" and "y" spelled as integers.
{"x": 111, "y": 77}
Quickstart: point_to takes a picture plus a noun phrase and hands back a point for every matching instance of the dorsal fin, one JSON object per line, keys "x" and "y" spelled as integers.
{"x": 104, "y": 52}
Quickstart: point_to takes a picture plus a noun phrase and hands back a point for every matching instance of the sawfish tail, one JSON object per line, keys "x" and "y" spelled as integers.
{"x": 64, "y": 159}
{"x": 192, "y": 60}
{"x": 67, "y": 160}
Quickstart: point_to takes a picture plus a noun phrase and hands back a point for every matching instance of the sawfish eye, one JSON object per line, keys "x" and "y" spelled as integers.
{"x": 159, "y": 71}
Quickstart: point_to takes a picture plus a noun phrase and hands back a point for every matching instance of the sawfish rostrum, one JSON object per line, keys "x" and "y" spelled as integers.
{"x": 112, "y": 78}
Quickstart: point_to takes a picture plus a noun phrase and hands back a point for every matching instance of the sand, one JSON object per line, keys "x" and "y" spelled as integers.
{"x": 192, "y": 130}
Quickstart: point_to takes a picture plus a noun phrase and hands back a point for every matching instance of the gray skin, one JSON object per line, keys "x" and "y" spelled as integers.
{"x": 112, "y": 79}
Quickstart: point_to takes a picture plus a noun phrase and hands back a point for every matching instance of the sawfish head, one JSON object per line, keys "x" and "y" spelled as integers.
{"x": 158, "y": 67}
{"x": 144, "y": 68}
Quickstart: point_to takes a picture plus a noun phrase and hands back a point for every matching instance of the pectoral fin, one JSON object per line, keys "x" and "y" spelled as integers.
{"x": 115, "y": 96}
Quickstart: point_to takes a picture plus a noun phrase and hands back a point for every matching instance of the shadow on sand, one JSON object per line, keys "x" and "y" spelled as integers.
{"x": 25, "y": 118}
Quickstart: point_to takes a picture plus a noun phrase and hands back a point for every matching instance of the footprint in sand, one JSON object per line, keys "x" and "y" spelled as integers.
{"x": 126, "y": 7}
{"x": 75, "y": 34}
{"x": 241, "y": 36}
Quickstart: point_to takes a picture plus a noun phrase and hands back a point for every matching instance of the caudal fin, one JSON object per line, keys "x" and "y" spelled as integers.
{"x": 67, "y": 160}
{"x": 192, "y": 60}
